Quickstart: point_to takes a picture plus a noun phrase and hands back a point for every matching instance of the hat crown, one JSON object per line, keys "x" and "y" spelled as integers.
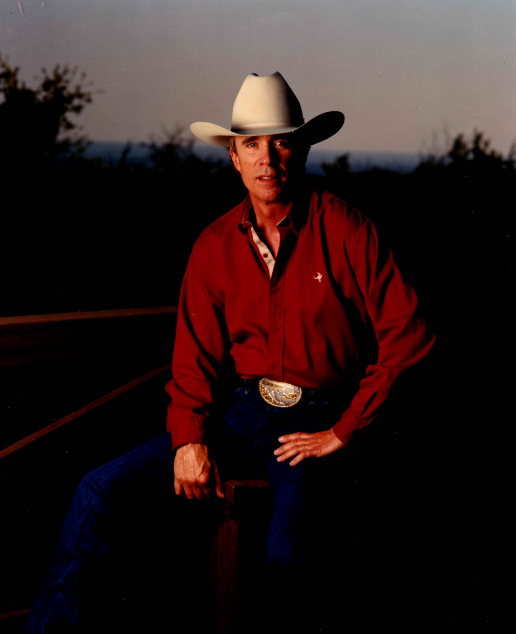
{"x": 265, "y": 102}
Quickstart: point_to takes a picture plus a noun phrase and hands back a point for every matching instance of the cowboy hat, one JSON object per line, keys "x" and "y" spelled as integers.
{"x": 266, "y": 105}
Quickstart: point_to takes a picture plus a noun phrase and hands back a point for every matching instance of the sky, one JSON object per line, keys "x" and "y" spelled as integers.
{"x": 408, "y": 74}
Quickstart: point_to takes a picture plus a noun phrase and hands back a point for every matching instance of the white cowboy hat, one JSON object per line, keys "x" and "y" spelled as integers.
{"x": 266, "y": 105}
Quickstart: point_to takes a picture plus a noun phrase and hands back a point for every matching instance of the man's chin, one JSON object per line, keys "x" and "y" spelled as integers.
{"x": 279, "y": 194}
{"x": 270, "y": 195}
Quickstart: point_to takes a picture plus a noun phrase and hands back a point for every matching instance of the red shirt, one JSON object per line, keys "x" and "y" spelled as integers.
{"x": 304, "y": 325}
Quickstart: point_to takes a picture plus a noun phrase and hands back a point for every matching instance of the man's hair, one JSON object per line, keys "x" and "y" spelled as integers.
{"x": 232, "y": 146}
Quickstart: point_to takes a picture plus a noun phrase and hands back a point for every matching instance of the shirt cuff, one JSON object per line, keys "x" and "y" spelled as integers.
{"x": 185, "y": 427}
{"x": 349, "y": 423}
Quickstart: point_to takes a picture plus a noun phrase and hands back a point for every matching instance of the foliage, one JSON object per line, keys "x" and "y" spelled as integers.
{"x": 475, "y": 155}
{"x": 171, "y": 151}
{"x": 36, "y": 125}
{"x": 337, "y": 169}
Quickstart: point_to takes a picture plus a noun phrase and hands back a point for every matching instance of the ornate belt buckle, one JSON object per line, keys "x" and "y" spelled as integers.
{"x": 279, "y": 394}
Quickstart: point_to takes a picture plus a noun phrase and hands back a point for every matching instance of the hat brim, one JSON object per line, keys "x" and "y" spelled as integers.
{"x": 318, "y": 129}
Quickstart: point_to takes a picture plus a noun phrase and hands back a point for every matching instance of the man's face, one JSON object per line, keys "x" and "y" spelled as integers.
{"x": 266, "y": 163}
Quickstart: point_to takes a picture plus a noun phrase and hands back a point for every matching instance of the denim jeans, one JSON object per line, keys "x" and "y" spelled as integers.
{"x": 140, "y": 484}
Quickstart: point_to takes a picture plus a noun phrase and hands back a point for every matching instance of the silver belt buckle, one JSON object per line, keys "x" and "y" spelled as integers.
{"x": 279, "y": 394}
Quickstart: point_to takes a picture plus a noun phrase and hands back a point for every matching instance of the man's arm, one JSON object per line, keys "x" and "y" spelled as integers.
{"x": 402, "y": 339}
{"x": 199, "y": 350}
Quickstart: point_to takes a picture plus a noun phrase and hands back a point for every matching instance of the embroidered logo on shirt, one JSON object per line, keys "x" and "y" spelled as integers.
{"x": 318, "y": 277}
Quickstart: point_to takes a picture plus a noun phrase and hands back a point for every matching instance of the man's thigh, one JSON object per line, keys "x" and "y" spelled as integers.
{"x": 147, "y": 469}
{"x": 137, "y": 489}
{"x": 246, "y": 437}
{"x": 246, "y": 434}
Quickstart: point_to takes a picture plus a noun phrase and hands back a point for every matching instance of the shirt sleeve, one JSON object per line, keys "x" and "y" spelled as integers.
{"x": 199, "y": 350}
{"x": 401, "y": 333}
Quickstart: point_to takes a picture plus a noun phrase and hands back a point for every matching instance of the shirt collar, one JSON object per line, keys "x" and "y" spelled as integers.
{"x": 248, "y": 217}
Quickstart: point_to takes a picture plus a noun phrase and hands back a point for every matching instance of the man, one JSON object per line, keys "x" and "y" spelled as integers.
{"x": 268, "y": 376}
{"x": 284, "y": 284}
{"x": 279, "y": 294}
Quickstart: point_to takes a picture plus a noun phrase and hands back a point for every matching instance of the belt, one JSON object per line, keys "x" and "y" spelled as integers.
{"x": 282, "y": 394}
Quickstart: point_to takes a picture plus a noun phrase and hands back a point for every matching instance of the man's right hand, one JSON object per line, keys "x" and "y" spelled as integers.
{"x": 195, "y": 472}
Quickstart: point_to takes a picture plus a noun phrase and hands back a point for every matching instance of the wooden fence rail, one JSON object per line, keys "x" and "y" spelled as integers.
{"x": 34, "y": 320}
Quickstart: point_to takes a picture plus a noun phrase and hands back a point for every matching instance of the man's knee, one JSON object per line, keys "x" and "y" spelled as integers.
{"x": 105, "y": 489}
{"x": 93, "y": 490}
{"x": 119, "y": 483}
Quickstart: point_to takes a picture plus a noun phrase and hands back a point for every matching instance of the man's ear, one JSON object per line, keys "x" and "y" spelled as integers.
{"x": 235, "y": 159}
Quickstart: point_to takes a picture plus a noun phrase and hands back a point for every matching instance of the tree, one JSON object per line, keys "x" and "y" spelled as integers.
{"x": 36, "y": 125}
{"x": 171, "y": 153}
{"x": 338, "y": 169}
{"x": 472, "y": 157}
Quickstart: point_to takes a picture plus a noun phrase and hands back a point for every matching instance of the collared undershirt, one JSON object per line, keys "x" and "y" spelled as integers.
{"x": 264, "y": 250}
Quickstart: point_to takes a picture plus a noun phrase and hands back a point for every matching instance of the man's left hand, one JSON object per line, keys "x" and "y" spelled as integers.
{"x": 303, "y": 445}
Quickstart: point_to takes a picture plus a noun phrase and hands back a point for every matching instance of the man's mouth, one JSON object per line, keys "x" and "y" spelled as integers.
{"x": 267, "y": 179}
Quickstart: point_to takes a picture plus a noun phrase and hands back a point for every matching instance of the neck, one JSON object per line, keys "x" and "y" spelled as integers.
{"x": 268, "y": 215}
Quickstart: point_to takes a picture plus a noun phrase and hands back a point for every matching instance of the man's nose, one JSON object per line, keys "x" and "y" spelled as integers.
{"x": 269, "y": 155}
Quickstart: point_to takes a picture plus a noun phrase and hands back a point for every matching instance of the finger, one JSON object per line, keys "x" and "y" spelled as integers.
{"x": 218, "y": 483}
{"x": 282, "y": 449}
{"x": 297, "y": 443}
{"x": 188, "y": 491}
{"x": 178, "y": 488}
{"x": 294, "y": 452}
{"x": 198, "y": 492}
{"x": 203, "y": 479}
{"x": 300, "y": 456}
{"x": 289, "y": 437}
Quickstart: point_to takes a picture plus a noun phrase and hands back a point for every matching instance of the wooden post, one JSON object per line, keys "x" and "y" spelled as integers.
{"x": 226, "y": 550}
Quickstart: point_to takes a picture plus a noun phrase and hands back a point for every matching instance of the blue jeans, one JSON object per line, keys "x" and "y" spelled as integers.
{"x": 140, "y": 484}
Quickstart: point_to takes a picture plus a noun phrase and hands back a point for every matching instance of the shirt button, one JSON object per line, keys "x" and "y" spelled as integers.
{"x": 276, "y": 329}
{"x": 276, "y": 289}
{"x": 265, "y": 255}
{"x": 273, "y": 366}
